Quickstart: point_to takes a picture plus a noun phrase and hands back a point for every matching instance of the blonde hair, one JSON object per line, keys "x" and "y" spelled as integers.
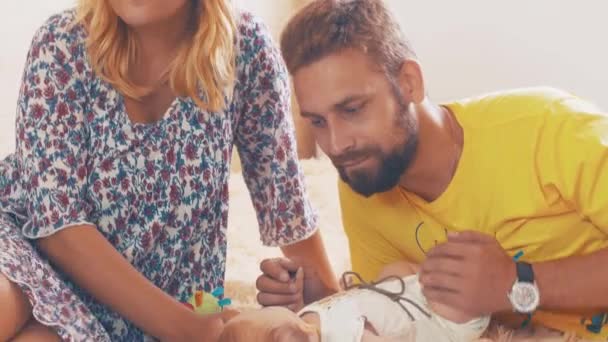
{"x": 203, "y": 70}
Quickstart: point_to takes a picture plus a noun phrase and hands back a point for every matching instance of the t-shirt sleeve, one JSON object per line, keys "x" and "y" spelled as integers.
{"x": 370, "y": 251}
{"x": 573, "y": 157}
{"x": 51, "y": 132}
{"x": 265, "y": 140}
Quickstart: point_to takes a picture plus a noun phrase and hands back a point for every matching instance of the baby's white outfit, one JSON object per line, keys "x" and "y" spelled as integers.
{"x": 344, "y": 314}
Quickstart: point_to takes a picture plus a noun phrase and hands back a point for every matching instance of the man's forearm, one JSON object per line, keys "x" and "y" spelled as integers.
{"x": 319, "y": 278}
{"x": 574, "y": 282}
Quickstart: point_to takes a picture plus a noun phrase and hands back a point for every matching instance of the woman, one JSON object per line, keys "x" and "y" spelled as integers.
{"x": 113, "y": 208}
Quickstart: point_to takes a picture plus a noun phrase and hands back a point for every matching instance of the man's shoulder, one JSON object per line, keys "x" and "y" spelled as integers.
{"x": 517, "y": 107}
{"x": 532, "y": 95}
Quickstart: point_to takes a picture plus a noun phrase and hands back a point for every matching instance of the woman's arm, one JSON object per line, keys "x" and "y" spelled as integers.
{"x": 93, "y": 263}
{"x": 266, "y": 144}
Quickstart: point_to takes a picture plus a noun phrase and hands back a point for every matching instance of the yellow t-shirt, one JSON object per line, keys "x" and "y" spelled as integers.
{"x": 533, "y": 173}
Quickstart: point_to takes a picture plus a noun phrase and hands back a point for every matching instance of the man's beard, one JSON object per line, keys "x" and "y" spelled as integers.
{"x": 392, "y": 165}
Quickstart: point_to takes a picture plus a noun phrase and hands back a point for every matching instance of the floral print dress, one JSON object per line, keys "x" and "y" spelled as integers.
{"x": 157, "y": 192}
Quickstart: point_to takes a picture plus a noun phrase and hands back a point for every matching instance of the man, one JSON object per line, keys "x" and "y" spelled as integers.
{"x": 502, "y": 198}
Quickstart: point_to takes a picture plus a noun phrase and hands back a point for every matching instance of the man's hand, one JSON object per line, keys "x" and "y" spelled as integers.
{"x": 281, "y": 284}
{"x": 470, "y": 272}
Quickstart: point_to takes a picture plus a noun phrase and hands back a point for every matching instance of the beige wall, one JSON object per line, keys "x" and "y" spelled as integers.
{"x": 476, "y": 46}
{"x": 473, "y": 46}
{"x": 466, "y": 47}
{"x": 274, "y": 12}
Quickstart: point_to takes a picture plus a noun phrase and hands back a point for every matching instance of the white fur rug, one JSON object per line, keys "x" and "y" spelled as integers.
{"x": 245, "y": 250}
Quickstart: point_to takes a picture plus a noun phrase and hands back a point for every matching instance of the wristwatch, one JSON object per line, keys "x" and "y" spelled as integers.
{"x": 524, "y": 294}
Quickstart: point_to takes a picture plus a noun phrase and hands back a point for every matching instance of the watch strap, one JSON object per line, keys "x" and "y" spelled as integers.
{"x": 524, "y": 272}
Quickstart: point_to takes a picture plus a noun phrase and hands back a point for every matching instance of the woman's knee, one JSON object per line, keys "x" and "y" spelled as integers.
{"x": 15, "y": 310}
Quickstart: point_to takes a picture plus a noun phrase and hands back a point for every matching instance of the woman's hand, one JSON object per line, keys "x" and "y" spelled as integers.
{"x": 205, "y": 328}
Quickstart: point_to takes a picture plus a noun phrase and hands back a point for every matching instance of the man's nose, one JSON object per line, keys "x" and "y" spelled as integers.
{"x": 339, "y": 142}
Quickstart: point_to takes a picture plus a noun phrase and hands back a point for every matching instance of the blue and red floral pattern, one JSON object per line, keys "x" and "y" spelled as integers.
{"x": 158, "y": 192}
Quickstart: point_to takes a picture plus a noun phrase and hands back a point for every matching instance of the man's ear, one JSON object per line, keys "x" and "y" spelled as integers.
{"x": 411, "y": 81}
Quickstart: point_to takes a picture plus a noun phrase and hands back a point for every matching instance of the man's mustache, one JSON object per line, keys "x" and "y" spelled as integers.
{"x": 347, "y": 157}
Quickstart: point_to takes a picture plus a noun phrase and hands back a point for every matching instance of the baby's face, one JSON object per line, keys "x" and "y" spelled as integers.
{"x": 272, "y": 324}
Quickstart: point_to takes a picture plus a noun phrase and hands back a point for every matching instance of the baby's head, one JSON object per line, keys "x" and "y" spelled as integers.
{"x": 272, "y": 324}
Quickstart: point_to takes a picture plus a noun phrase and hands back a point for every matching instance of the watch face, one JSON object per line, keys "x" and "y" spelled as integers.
{"x": 524, "y": 297}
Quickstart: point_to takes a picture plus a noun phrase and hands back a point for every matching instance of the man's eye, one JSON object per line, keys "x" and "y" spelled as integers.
{"x": 317, "y": 122}
{"x": 352, "y": 110}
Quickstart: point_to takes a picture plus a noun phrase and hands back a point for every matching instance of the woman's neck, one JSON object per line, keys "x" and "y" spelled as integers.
{"x": 157, "y": 45}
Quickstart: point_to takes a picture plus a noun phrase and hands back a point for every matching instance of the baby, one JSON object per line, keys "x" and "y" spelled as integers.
{"x": 392, "y": 309}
